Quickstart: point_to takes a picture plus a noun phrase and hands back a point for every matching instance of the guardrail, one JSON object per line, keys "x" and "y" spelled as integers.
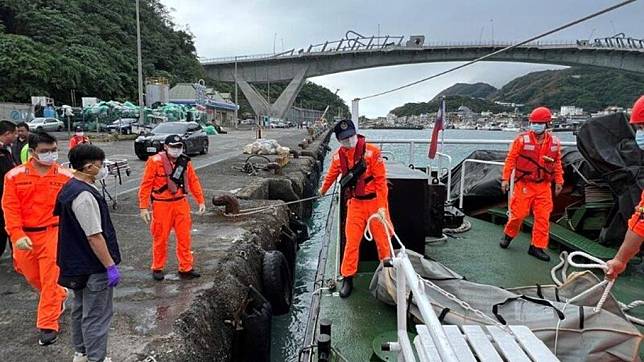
{"x": 356, "y": 45}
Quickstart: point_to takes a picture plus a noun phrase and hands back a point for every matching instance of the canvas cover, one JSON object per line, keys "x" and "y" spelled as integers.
{"x": 583, "y": 335}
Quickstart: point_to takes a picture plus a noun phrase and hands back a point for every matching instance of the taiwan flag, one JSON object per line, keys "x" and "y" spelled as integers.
{"x": 439, "y": 124}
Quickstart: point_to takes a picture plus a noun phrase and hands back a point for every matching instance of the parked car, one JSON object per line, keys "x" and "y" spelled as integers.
{"x": 122, "y": 126}
{"x": 195, "y": 140}
{"x": 46, "y": 124}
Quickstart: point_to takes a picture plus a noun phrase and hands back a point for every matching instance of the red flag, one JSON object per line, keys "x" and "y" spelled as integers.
{"x": 438, "y": 126}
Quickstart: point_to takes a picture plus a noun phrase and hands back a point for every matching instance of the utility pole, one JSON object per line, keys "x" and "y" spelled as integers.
{"x": 140, "y": 66}
{"x": 236, "y": 102}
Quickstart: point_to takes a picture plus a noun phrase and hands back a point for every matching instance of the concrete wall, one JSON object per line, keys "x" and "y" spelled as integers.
{"x": 17, "y": 112}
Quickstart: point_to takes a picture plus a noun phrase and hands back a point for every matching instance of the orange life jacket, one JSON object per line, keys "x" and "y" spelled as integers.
{"x": 535, "y": 165}
{"x": 357, "y": 191}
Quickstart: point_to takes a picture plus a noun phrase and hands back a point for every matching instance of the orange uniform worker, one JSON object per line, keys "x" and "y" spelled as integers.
{"x": 635, "y": 234}
{"x": 167, "y": 180}
{"x": 535, "y": 157}
{"x": 28, "y": 201}
{"x": 78, "y": 138}
{"x": 367, "y": 194}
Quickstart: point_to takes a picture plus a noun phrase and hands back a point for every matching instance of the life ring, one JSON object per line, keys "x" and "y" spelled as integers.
{"x": 277, "y": 281}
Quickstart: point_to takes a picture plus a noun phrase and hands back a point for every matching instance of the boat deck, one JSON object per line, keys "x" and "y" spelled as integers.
{"x": 360, "y": 319}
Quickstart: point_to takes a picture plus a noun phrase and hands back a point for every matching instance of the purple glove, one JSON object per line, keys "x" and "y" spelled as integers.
{"x": 113, "y": 276}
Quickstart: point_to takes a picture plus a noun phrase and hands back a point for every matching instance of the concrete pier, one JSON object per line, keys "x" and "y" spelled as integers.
{"x": 177, "y": 320}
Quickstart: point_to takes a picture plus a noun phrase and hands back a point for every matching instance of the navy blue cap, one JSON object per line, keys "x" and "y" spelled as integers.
{"x": 344, "y": 129}
{"x": 173, "y": 140}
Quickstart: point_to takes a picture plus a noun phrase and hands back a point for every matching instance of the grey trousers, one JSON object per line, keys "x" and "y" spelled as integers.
{"x": 91, "y": 317}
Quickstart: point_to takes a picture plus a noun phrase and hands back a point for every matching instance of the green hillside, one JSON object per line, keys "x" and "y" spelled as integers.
{"x": 452, "y": 105}
{"x": 592, "y": 89}
{"x": 53, "y": 47}
{"x": 476, "y": 90}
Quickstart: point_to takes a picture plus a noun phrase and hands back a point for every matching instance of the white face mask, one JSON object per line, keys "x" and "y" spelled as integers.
{"x": 47, "y": 158}
{"x": 174, "y": 152}
{"x": 102, "y": 174}
{"x": 80, "y": 134}
{"x": 350, "y": 142}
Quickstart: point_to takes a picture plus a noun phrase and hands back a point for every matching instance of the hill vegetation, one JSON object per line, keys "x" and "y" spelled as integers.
{"x": 476, "y": 90}
{"x": 53, "y": 47}
{"x": 452, "y": 104}
{"x": 593, "y": 89}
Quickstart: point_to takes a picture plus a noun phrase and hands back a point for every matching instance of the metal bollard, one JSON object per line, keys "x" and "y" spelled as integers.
{"x": 324, "y": 348}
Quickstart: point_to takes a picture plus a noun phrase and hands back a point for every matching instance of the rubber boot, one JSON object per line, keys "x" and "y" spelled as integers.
{"x": 158, "y": 275}
{"x": 347, "y": 287}
{"x": 505, "y": 241}
{"x": 538, "y": 253}
{"x": 190, "y": 274}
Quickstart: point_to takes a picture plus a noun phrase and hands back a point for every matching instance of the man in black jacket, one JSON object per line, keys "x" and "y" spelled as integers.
{"x": 22, "y": 131}
{"x": 7, "y": 137}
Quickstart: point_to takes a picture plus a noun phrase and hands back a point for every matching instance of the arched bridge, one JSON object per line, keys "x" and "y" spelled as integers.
{"x": 358, "y": 52}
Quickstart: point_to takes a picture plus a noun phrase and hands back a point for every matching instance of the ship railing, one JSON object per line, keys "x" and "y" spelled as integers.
{"x": 407, "y": 279}
{"x": 441, "y": 155}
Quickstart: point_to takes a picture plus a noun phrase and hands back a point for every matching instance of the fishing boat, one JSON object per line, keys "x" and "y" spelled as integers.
{"x": 450, "y": 293}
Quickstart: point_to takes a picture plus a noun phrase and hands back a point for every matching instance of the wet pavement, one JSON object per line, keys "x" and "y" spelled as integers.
{"x": 173, "y": 319}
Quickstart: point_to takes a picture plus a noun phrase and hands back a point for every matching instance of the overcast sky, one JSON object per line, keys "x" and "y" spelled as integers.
{"x": 243, "y": 27}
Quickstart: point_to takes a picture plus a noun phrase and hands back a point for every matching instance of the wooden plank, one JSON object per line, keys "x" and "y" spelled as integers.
{"x": 426, "y": 343}
{"x": 481, "y": 344}
{"x": 458, "y": 343}
{"x": 535, "y": 348}
{"x": 507, "y": 346}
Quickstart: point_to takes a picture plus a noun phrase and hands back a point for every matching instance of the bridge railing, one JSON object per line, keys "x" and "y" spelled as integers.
{"x": 388, "y": 43}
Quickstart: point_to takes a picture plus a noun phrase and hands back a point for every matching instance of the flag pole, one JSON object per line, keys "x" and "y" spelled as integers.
{"x": 443, "y": 109}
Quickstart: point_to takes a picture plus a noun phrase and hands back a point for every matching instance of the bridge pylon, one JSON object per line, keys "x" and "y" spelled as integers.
{"x": 278, "y": 109}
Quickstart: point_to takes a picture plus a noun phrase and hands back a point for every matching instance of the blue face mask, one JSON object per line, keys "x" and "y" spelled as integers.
{"x": 538, "y": 128}
{"x": 639, "y": 138}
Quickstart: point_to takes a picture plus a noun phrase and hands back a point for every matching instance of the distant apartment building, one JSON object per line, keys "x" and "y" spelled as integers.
{"x": 568, "y": 111}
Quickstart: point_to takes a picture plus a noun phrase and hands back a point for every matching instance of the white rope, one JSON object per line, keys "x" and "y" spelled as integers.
{"x": 558, "y": 324}
{"x": 566, "y": 260}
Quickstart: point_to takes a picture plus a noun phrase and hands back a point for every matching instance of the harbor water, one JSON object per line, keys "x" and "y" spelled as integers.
{"x": 288, "y": 330}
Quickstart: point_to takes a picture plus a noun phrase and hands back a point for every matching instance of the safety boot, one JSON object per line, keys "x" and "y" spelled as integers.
{"x": 158, "y": 275}
{"x": 538, "y": 253}
{"x": 505, "y": 241}
{"x": 47, "y": 337}
{"x": 347, "y": 287}
{"x": 190, "y": 274}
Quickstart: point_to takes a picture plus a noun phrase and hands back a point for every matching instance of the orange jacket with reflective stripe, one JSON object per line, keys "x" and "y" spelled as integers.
{"x": 155, "y": 180}
{"x": 28, "y": 199}
{"x": 375, "y": 169}
{"x": 530, "y": 159}
{"x": 636, "y": 222}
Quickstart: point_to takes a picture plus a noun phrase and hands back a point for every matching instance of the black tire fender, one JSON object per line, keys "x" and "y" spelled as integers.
{"x": 288, "y": 246}
{"x": 277, "y": 281}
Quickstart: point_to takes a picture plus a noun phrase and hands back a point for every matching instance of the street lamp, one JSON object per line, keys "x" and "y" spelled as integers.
{"x": 140, "y": 66}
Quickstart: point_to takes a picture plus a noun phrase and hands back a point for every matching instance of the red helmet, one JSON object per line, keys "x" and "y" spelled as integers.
{"x": 637, "y": 114}
{"x": 540, "y": 115}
